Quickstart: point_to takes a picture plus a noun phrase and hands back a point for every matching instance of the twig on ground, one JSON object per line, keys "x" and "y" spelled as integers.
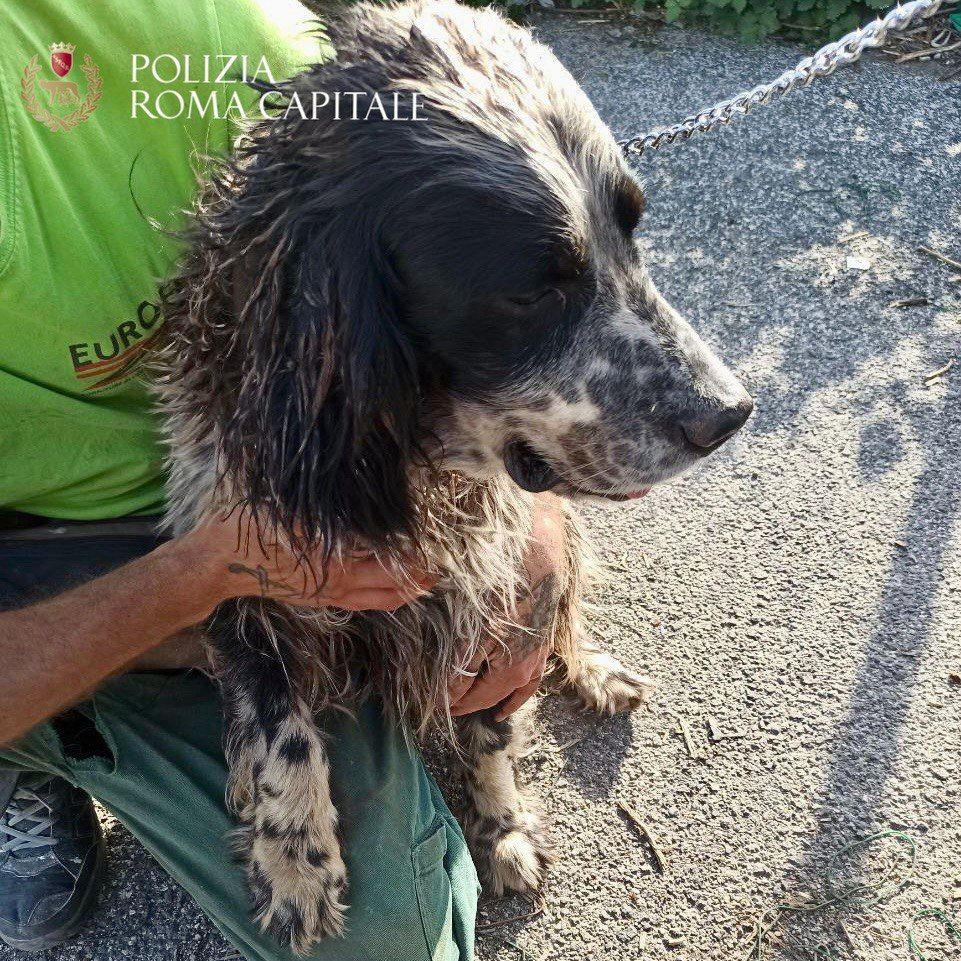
{"x": 537, "y": 909}
{"x": 910, "y": 302}
{"x": 847, "y": 935}
{"x": 715, "y": 733}
{"x": 567, "y": 744}
{"x": 940, "y": 372}
{"x": 556, "y": 749}
{"x": 928, "y": 52}
{"x": 685, "y": 732}
{"x": 586, "y": 11}
{"x": 937, "y": 255}
{"x": 631, "y": 814}
{"x": 520, "y": 949}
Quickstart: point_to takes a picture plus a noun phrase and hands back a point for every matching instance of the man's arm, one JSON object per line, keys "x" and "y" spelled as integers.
{"x": 511, "y": 676}
{"x": 56, "y": 651}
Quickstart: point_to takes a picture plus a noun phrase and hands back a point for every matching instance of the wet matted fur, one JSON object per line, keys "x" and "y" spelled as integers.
{"x": 391, "y": 335}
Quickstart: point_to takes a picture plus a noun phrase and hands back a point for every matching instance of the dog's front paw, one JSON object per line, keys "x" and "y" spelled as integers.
{"x": 298, "y": 892}
{"x": 606, "y": 686}
{"x": 511, "y": 854}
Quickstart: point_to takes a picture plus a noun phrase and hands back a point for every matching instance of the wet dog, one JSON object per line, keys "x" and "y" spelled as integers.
{"x": 392, "y": 336}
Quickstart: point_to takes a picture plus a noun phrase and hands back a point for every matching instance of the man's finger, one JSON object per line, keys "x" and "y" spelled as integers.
{"x": 485, "y": 692}
{"x": 373, "y": 600}
{"x": 460, "y": 683}
{"x": 518, "y": 698}
{"x": 467, "y": 677}
{"x": 489, "y": 690}
{"x": 485, "y": 653}
{"x": 371, "y": 574}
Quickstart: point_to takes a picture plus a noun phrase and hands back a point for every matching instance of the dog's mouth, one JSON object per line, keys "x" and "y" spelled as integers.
{"x": 532, "y": 472}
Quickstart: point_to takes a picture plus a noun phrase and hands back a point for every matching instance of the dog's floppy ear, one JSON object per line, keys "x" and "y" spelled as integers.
{"x": 323, "y": 430}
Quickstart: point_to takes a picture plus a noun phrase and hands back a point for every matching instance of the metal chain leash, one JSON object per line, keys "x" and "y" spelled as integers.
{"x": 840, "y": 53}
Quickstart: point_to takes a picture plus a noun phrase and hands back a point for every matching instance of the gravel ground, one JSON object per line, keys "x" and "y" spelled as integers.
{"x": 797, "y": 599}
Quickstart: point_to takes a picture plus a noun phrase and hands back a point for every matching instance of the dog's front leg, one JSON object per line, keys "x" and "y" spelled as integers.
{"x": 278, "y": 785}
{"x": 580, "y": 667}
{"x": 501, "y": 822}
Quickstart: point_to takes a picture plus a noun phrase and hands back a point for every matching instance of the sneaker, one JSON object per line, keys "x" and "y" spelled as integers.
{"x": 52, "y": 857}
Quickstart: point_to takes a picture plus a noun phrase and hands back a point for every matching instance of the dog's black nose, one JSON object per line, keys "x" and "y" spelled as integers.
{"x": 710, "y": 430}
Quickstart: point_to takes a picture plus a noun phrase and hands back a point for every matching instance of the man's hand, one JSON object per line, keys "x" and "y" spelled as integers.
{"x": 56, "y": 651}
{"x": 509, "y": 673}
{"x": 245, "y": 564}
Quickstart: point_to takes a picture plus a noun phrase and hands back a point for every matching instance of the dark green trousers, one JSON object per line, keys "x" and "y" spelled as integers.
{"x": 413, "y": 888}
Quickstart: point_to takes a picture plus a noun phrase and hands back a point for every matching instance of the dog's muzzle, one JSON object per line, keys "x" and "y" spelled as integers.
{"x": 531, "y": 472}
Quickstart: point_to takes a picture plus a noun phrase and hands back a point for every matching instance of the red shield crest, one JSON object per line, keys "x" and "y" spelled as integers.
{"x": 61, "y": 61}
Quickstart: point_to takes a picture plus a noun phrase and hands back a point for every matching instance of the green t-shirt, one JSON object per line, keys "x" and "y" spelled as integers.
{"x": 79, "y": 264}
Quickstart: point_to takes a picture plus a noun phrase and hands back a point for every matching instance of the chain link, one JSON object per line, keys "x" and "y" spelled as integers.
{"x": 840, "y": 53}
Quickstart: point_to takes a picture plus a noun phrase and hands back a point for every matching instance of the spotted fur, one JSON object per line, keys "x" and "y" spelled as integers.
{"x": 502, "y": 822}
{"x": 389, "y": 336}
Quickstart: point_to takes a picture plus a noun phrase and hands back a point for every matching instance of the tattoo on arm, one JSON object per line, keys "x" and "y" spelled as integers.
{"x": 266, "y": 586}
{"x": 536, "y": 613}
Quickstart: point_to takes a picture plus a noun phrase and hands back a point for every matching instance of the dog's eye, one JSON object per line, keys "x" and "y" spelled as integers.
{"x": 534, "y": 299}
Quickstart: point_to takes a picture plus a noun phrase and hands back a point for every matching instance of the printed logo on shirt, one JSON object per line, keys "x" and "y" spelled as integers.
{"x": 58, "y": 104}
{"x": 99, "y": 364}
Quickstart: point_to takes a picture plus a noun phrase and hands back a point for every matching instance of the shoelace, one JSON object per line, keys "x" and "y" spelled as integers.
{"x": 28, "y": 819}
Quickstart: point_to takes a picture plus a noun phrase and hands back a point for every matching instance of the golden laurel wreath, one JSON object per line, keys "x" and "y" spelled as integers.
{"x": 39, "y": 112}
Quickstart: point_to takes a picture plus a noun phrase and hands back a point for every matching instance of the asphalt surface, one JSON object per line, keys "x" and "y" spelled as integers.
{"x": 798, "y": 598}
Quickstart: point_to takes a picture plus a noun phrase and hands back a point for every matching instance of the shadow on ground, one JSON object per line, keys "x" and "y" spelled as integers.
{"x": 798, "y": 599}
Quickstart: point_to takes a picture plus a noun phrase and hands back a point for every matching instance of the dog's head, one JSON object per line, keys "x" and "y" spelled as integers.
{"x": 462, "y": 289}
